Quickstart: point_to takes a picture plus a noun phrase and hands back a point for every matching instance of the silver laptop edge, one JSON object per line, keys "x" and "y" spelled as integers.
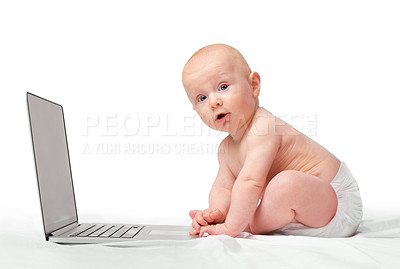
{"x": 56, "y": 190}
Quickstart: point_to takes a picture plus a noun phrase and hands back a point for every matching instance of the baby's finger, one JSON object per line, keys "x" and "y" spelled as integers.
{"x": 207, "y": 216}
{"x": 202, "y": 231}
{"x": 193, "y": 213}
{"x": 195, "y": 225}
{"x": 217, "y": 215}
{"x": 200, "y": 220}
{"x": 206, "y": 229}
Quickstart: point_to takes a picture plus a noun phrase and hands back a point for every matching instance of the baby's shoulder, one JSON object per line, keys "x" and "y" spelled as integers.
{"x": 225, "y": 142}
{"x": 224, "y": 145}
{"x": 262, "y": 129}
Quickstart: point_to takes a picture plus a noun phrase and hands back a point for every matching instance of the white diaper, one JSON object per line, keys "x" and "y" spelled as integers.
{"x": 348, "y": 214}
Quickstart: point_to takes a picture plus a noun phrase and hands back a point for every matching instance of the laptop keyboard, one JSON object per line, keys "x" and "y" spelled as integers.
{"x": 105, "y": 230}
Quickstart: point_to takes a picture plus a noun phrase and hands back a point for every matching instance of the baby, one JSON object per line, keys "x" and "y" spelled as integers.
{"x": 271, "y": 177}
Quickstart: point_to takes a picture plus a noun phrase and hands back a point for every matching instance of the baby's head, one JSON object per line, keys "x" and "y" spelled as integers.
{"x": 221, "y": 87}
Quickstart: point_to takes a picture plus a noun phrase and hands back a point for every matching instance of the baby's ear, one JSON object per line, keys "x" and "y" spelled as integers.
{"x": 255, "y": 81}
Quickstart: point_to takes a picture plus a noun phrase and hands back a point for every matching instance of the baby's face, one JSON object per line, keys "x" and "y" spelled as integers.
{"x": 221, "y": 92}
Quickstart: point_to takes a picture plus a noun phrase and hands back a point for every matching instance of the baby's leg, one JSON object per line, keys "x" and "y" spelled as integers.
{"x": 294, "y": 196}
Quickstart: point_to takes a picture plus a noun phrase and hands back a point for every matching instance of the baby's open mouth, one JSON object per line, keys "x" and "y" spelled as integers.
{"x": 221, "y": 115}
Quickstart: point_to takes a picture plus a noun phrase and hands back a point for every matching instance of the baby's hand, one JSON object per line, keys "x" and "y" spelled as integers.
{"x": 213, "y": 215}
{"x": 204, "y": 218}
{"x": 216, "y": 229}
{"x": 197, "y": 220}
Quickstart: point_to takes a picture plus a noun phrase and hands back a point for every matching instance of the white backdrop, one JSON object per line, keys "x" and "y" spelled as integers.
{"x": 138, "y": 152}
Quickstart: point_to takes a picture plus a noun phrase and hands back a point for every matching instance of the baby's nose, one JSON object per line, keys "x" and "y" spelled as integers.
{"x": 215, "y": 101}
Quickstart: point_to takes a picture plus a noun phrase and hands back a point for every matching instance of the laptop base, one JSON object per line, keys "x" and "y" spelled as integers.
{"x": 147, "y": 232}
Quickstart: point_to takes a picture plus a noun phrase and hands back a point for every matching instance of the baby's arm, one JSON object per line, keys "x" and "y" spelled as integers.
{"x": 219, "y": 197}
{"x": 248, "y": 186}
{"x": 220, "y": 194}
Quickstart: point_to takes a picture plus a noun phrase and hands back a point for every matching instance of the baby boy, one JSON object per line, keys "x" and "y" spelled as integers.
{"x": 271, "y": 177}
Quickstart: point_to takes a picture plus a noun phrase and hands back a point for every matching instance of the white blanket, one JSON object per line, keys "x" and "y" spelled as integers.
{"x": 377, "y": 245}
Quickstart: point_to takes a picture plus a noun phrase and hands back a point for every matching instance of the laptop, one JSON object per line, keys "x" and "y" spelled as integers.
{"x": 56, "y": 189}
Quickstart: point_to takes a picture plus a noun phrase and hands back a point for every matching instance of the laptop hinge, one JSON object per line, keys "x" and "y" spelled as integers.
{"x": 64, "y": 229}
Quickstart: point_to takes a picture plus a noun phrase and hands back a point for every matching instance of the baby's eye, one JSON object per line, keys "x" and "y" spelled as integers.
{"x": 223, "y": 87}
{"x": 201, "y": 98}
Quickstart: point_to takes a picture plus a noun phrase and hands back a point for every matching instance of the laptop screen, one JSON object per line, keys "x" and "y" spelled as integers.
{"x": 52, "y": 163}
